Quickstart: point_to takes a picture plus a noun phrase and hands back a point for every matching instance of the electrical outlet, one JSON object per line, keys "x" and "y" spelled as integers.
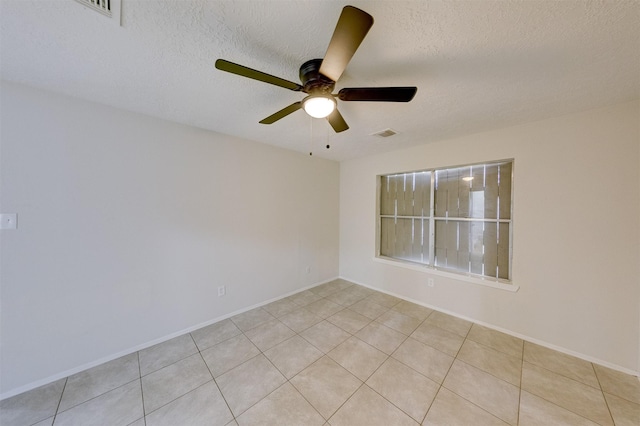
{"x": 222, "y": 291}
{"x": 8, "y": 221}
{"x": 430, "y": 282}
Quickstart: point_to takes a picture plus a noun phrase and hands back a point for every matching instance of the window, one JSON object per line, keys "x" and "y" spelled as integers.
{"x": 456, "y": 219}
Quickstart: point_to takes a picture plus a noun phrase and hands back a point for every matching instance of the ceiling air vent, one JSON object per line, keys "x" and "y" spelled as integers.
{"x": 385, "y": 133}
{"x": 108, "y": 8}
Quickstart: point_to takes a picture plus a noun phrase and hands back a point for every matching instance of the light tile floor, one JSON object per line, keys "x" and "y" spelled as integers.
{"x": 337, "y": 354}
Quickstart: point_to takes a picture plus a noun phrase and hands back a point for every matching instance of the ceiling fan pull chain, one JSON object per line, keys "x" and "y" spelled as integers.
{"x": 326, "y": 133}
{"x": 310, "y": 135}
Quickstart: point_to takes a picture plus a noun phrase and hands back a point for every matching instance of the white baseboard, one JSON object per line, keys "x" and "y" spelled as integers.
{"x": 506, "y": 331}
{"x": 83, "y": 367}
{"x": 140, "y": 347}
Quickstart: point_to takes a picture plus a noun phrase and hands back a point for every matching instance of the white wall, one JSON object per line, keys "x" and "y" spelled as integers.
{"x": 128, "y": 224}
{"x": 576, "y": 232}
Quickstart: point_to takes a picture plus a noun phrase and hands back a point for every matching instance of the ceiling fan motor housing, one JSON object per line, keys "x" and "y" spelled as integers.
{"x": 312, "y": 80}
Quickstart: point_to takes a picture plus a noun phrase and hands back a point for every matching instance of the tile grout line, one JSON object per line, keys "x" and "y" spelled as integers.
{"x": 416, "y": 371}
{"x": 243, "y": 332}
{"x": 441, "y": 385}
{"x": 289, "y": 380}
{"x": 346, "y": 400}
{"x": 222, "y": 341}
{"x": 260, "y": 352}
{"x": 520, "y": 387}
{"x": 391, "y": 402}
{"x": 462, "y": 361}
{"x": 177, "y": 398}
{"x": 484, "y": 345}
{"x": 159, "y": 369}
{"x": 602, "y": 391}
{"x": 144, "y": 412}
{"x": 564, "y": 408}
{"x": 569, "y": 378}
{"x": 388, "y": 356}
{"x": 277, "y": 369}
{"x": 566, "y": 377}
{"x": 95, "y": 397}
{"x": 544, "y": 367}
{"x": 59, "y": 400}
{"x": 305, "y": 398}
{"x": 169, "y": 365}
{"x": 199, "y": 352}
{"x": 466, "y": 399}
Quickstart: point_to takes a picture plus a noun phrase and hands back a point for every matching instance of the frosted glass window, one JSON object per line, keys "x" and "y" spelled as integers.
{"x": 456, "y": 219}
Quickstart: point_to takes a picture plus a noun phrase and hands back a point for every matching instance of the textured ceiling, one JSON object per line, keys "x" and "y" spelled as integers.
{"x": 478, "y": 65}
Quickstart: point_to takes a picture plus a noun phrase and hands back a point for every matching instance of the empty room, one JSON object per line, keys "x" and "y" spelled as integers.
{"x": 319, "y": 213}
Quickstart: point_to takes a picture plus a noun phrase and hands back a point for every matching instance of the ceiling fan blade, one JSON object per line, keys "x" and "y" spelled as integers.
{"x": 282, "y": 113}
{"x": 377, "y": 94}
{"x": 353, "y": 25}
{"x": 227, "y": 66}
{"x": 337, "y": 122}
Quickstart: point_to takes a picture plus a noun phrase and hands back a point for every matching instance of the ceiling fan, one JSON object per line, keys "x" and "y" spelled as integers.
{"x": 319, "y": 76}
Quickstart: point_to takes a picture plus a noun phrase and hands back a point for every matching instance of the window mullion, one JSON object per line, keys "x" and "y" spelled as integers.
{"x": 432, "y": 225}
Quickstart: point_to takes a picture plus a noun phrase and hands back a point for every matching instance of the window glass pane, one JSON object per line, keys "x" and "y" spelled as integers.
{"x": 421, "y": 193}
{"x": 503, "y": 250}
{"x": 387, "y": 236}
{"x": 495, "y": 240}
{"x": 448, "y": 246}
{"x": 457, "y": 245}
{"x": 406, "y": 239}
{"x": 473, "y": 246}
{"x": 464, "y": 246}
{"x": 401, "y": 209}
{"x": 424, "y": 240}
{"x": 459, "y": 192}
{"x": 464, "y": 195}
{"x": 491, "y": 192}
{"x": 504, "y": 190}
{"x": 407, "y": 194}
{"x": 476, "y": 247}
{"x": 477, "y": 192}
{"x": 476, "y": 204}
{"x": 476, "y": 198}
{"x": 441, "y": 193}
{"x": 386, "y": 196}
{"x": 490, "y": 241}
{"x": 440, "y": 243}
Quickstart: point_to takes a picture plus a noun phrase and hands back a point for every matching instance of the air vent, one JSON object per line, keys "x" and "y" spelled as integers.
{"x": 108, "y": 8}
{"x": 102, "y": 6}
{"x": 385, "y": 133}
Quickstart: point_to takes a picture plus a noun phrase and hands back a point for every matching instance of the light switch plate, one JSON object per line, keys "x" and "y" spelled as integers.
{"x": 9, "y": 221}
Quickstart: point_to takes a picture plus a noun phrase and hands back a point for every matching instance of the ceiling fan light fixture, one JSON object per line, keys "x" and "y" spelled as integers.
{"x": 319, "y": 106}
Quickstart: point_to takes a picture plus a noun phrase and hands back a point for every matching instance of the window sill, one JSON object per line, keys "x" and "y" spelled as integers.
{"x": 487, "y": 282}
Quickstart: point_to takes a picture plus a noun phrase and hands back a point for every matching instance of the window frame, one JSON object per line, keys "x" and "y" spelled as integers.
{"x": 431, "y": 268}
